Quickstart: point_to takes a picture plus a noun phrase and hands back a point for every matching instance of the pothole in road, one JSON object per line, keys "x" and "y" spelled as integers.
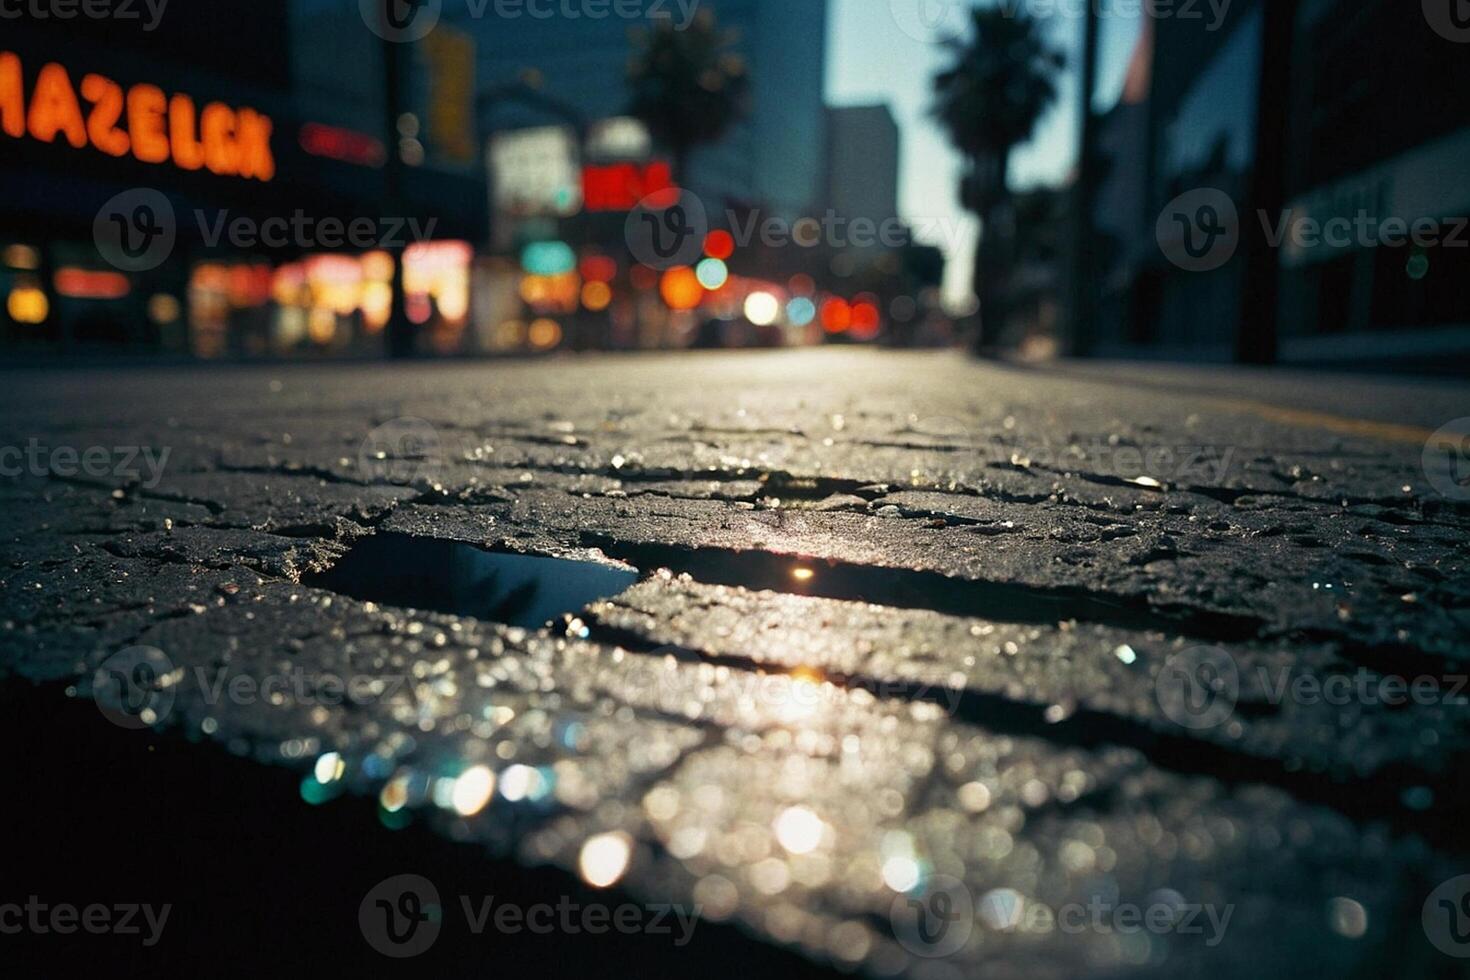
{"x": 461, "y": 579}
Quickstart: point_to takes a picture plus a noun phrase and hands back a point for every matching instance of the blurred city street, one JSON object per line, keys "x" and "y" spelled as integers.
{"x": 833, "y": 624}
{"x": 924, "y": 489}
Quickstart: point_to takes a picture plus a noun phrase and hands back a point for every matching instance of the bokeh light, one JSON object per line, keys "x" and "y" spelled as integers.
{"x": 802, "y": 284}
{"x": 719, "y": 244}
{"x": 799, "y": 830}
{"x": 598, "y": 268}
{"x": 836, "y": 315}
{"x": 596, "y": 296}
{"x": 712, "y": 273}
{"x": 866, "y": 321}
{"x": 801, "y": 311}
{"x": 762, "y": 309}
{"x": 604, "y": 859}
{"x": 472, "y": 790}
{"x": 680, "y": 288}
{"x": 544, "y": 334}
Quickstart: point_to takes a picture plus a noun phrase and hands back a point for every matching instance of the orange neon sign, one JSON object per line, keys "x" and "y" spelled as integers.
{"x": 141, "y": 120}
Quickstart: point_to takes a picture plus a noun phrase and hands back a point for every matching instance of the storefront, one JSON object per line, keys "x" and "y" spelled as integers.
{"x": 167, "y": 193}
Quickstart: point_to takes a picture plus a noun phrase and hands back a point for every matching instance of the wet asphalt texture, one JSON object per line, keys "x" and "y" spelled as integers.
{"x": 929, "y": 667}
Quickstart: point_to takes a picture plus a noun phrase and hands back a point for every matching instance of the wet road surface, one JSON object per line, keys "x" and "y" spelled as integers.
{"x": 928, "y": 668}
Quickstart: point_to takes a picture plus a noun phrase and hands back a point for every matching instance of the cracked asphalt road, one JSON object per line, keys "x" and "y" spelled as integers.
{"x": 1046, "y": 646}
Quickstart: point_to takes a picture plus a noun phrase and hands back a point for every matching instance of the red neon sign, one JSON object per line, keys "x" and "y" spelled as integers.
{"x": 620, "y": 186}
{"x": 343, "y": 145}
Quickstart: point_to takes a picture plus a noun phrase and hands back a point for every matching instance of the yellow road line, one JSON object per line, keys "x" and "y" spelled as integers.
{"x": 1385, "y": 431}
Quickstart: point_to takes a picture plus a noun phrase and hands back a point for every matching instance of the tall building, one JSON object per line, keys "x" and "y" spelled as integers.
{"x": 862, "y": 162}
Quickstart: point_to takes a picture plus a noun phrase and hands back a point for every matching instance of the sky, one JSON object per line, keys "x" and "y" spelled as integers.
{"x": 884, "y": 51}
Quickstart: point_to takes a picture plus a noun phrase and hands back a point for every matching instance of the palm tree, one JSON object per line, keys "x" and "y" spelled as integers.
{"x": 688, "y": 88}
{"x": 990, "y": 100}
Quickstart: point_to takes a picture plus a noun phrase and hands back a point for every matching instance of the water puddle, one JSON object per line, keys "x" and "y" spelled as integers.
{"x": 451, "y": 577}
